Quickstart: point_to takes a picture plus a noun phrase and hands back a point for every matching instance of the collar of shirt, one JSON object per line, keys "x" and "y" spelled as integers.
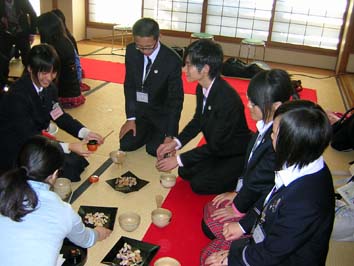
{"x": 288, "y": 175}
{"x": 38, "y": 185}
{"x": 262, "y": 127}
{"x": 38, "y": 89}
{"x": 153, "y": 55}
{"x": 206, "y": 91}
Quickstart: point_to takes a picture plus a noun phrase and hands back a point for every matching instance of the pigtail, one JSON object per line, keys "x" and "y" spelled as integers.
{"x": 17, "y": 198}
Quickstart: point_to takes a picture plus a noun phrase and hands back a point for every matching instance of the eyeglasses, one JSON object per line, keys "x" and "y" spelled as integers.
{"x": 146, "y": 48}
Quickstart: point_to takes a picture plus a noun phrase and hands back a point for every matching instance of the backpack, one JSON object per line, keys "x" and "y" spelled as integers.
{"x": 343, "y": 132}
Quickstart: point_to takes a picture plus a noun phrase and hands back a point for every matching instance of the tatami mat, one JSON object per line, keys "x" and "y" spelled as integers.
{"x": 104, "y": 111}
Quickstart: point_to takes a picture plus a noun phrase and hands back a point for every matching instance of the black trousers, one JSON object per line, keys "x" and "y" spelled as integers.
{"x": 74, "y": 165}
{"x": 21, "y": 40}
{"x": 146, "y": 134}
{"x": 214, "y": 175}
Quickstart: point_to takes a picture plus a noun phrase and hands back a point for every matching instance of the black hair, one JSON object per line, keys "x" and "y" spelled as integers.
{"x": 205, "y": 52}
{"x": 51, "y": 28}
{"x": 304, "y": 133}
{"x": 60, "y": 14}
{"x": 38, "y": 158}
{"x": 268, "y": 87}
{"x": 146, "y": 27}
{"x": 43, "y": 58}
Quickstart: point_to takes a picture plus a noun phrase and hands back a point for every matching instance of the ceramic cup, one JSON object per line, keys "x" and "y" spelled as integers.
{"x": 62, "y": 187}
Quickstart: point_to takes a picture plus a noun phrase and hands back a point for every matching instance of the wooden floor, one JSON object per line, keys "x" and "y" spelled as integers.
{"x": 104, "y": 111}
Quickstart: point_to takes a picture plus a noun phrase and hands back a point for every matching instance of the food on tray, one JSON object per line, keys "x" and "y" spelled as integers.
{"x": 96, "y": 219}
{"x": 129, "y": 256}
{"x": 125, "y": 181}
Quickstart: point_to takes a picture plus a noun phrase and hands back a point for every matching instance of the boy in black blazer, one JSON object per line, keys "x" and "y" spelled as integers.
{"x": 153, "y": 90}
{"x": 213, "y": 167}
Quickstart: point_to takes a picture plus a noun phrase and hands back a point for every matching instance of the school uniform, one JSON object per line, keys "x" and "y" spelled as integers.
{"x": 25, "y": 113}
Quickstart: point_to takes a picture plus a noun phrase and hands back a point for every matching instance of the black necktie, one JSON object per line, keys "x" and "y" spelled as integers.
{"x": 41, "y": 95}
{"x": 148, "y": 66}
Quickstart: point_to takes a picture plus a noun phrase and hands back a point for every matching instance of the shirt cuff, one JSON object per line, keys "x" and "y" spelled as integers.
{"x": 83, "y": 133}
{"x": 131, "y": 118}
{"x": 243, "y": 230}
{"x": 238, "y": 213}
{"x": 179, "y": 161}
{"x": 179, "y": 144}
{"x": 65, "y": 147}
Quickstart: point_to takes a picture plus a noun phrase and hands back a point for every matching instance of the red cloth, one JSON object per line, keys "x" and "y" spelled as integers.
{"x": 183, "y": 238}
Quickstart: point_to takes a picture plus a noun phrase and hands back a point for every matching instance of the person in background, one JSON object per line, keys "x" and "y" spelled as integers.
{"x": 34, "y": 220}
{"x": 292, "y": 225}
{"x": 153, "y": 90}
{"x": 52, "y": 30}
{"x": 30, "y": 105}
{"x": 266, "y": 92}
{"x": 214, "y": 166}
{"x": 17, "y": 28}
{"x": 80, "y": 71}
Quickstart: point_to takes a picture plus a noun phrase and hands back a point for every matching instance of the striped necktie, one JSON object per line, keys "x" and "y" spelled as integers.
{"x": 148, "y": 66}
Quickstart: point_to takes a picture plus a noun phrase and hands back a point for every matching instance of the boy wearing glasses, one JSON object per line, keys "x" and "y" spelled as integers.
{"x": 153, "y": 90}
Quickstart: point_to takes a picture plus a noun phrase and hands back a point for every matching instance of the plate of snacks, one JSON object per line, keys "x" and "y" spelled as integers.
{"x": 93, "y": 216}
{"x": 130, "y": 252}
{"x": 73, "y": 254}
{"x": 127, "y": 182}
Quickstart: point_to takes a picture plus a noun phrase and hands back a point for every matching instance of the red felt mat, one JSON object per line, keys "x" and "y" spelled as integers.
{"x": 115, "y": 72}
{"x": 183, "y": 238}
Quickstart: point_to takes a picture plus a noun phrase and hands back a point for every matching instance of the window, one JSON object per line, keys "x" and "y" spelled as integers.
{"x": 36, "y": 6}
{"x": 179, "y": 15}
{"x": 315, "y": 23}
{"x": 309, "y": 23}
{"x": 114, "y": 11}
{"x": 242, "y": 19}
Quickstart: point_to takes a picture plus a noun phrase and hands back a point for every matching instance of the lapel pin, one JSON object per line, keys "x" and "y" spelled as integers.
{"x": 156, "y": 71}
{"x": 209, "y": 107}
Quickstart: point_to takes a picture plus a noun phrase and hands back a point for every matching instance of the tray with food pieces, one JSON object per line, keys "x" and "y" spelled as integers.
{"x": 73, "y": 254}
{"x": 93, "y": 216}
{"x": 130, "y": 252}
{"x": 127, "y": 182}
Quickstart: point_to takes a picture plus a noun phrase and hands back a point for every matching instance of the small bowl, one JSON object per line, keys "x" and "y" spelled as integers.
{"x": 117, "y": 157}
{"x": 129, "y": 221}
{"x": 168, "y": 180}
{"x": 167, "y": 261}
{"x": 92, "y": 145}
{"x": 161, "y": 217}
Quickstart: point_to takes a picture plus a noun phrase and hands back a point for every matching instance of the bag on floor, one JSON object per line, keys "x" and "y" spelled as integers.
{"x": 343, "y": 132}
{"x": 234, "y": 67}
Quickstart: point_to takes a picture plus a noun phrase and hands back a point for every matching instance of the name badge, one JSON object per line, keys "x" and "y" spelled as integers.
{"x": 56, "y": 111}
{"x": 258, "y": 234}
{"x": 142, "y": 97}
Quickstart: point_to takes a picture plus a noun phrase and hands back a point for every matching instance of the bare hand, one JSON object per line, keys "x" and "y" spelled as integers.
{"x": 80, "y": 148}
{"x": 127, "y": 126}
{"x": 166, "y": 148}
{"x": 232, "y": 231}
{"x": 224, "y": 214}
{"x": 167, "y": 164}
{"x": 218, "y": 258}
{"x": 103, "y": 232}
{"x": 227, "y": 196}
{"x": 96, "y": 136}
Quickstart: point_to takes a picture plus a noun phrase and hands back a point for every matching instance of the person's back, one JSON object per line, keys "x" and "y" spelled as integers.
{"x": 34, "y": 221}
{"x": 38, "y": 238}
